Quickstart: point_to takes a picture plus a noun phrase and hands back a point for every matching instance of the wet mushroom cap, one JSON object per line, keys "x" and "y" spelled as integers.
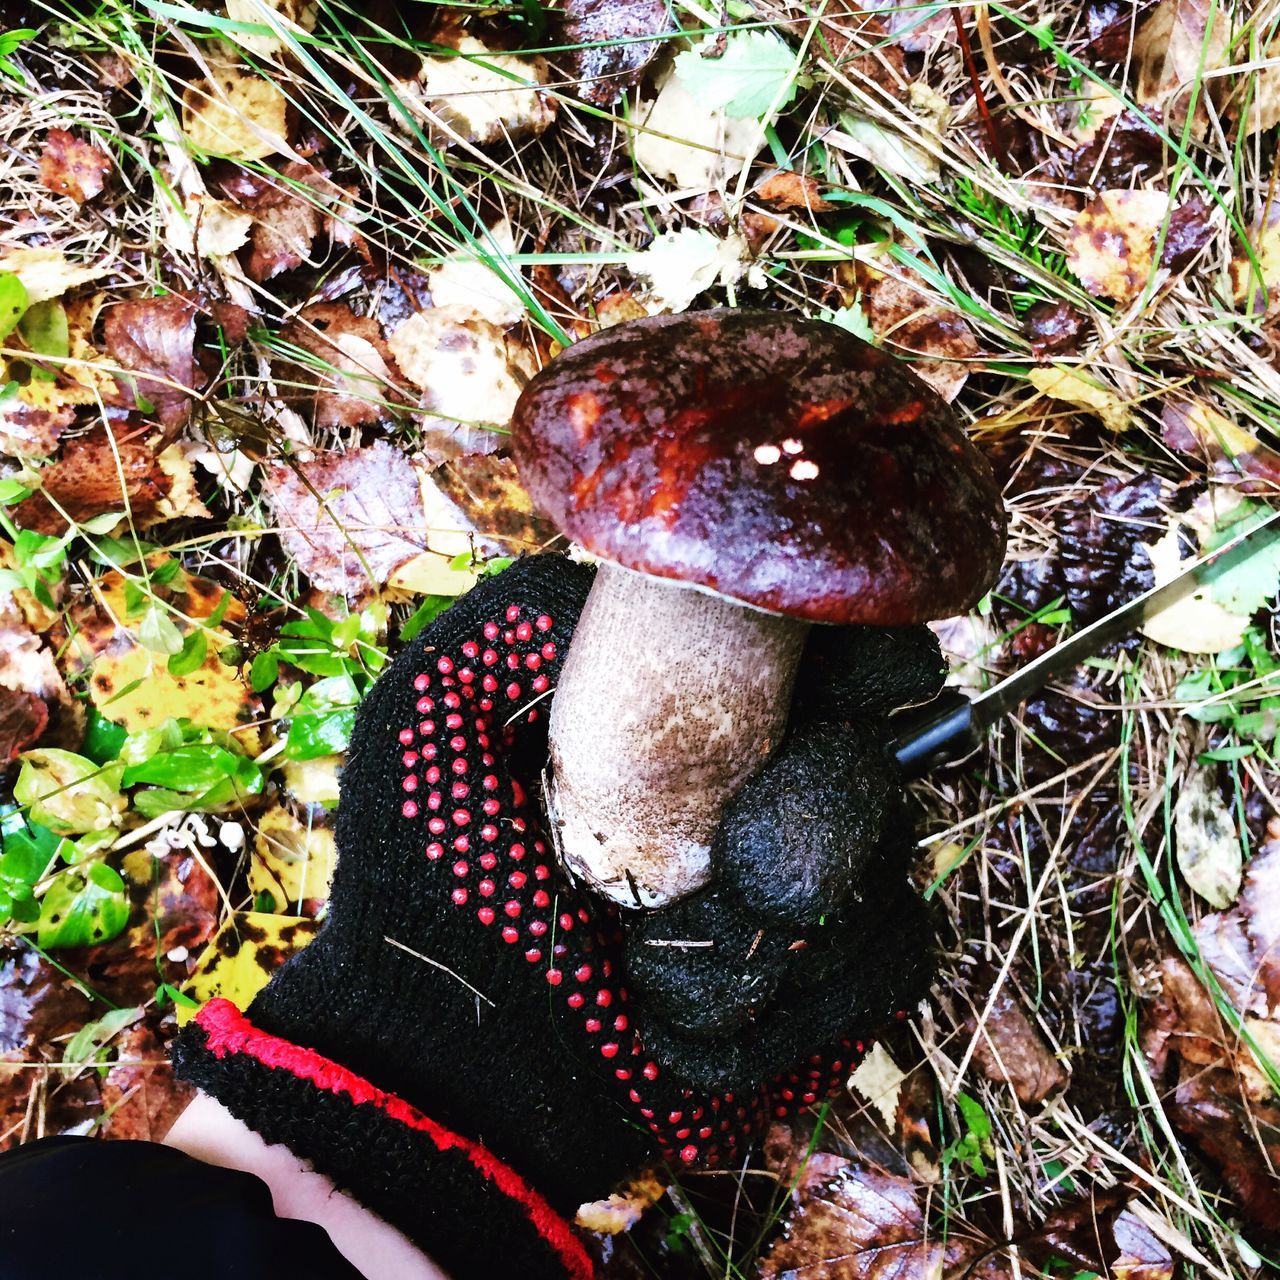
{"x": 774, "y": 460}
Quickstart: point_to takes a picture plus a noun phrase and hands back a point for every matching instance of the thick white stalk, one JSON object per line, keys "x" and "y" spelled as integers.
{"x": 669, "y": 700}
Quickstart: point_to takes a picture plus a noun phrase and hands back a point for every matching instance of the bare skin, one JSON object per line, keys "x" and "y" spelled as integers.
{"x": 207, "y": 1131}
{"x": 669, "y": 700}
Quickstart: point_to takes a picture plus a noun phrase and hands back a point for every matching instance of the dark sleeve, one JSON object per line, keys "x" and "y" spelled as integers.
{"x": 113, "y": 1210}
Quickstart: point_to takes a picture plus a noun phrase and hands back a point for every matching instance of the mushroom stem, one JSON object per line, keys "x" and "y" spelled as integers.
{"x": 669, "y": 700}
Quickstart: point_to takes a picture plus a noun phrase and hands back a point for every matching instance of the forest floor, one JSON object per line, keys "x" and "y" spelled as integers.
{"x": 272, "y": 273}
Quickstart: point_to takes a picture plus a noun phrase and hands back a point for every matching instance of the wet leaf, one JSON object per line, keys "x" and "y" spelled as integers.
{"x": 350, "y": 519}
{"x": 96, "y": 475}
{"x": 73, "y": 167}
{"x": 1111, "y": 246}
{"x": 1197, "y": 623}
{"x": 1055, "y": 328}
{"x": 1059, "y": 382}
{"x": 1174, "y": 49}
{"x": 348, "y": 382}
{"x": 68, "y": 793}
{"x": 134, "y": 686}
{"x": 1210, "y": 855}
{"x": 47, "y": 273}
{"x": 1009, "y": 1050}
{"x": 1195, "y": 427}
{"x": 241, "y": 957}
{"x": 155, "y": 338}
{"x": 912, "y": 324}
{"x": 292, "y": 860}
{"x": 82, "y": 907}
{"x": 141, "y": 1097}
{"x": 466, "y": 280}
{"x": 610, "y": 55}
{"x": 236, "y": 112}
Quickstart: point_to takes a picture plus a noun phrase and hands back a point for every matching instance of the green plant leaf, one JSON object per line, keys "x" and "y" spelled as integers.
{"x": 82, "y": 907}
{"x": 159, "y": 633}
{"x": 191, "y": 656}
{"x": 66, "y": 792}
{"x": 13, "y": 302}
{"x": 44, "y": 329}
{"x": 746, "y": 79}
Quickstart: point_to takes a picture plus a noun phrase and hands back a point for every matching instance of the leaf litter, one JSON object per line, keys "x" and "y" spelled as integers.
{"x": 253, "y": 435}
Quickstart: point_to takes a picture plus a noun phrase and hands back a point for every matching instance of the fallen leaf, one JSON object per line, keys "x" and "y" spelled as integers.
{"x": 1190, "y": 229}
{"x": 48, "y": 273}
{"x": 97, "y": 474}
{"x": 488, "y": 497}
{"x": 680, "y": 265}
{"x": 1059, "y": 382}
{"x": 1197, "y": 623}
{"x": 294, "y": 15}
{"x": 1259, "y": 287}
{"x": 918, "y": 28}
{"x": 73, "y": 167}
{"x": 1174, "y": 49}
{"x": 465, "y": 280}
{"x": 292, "y": 861}
{"x": 1142, "y": 1255}
{"x": 23, "y": 718}
{"x": 241, "y": 957}
{"x": 604, "y": 45}
{"x": 848, "y": 1222}
{"x": 28, "y": 431}
{"x": 289, "y": 209}
{"x": 235, "y": 113}
{"x": 133, "y": 685}
{"x": 879, "y": 1079}
{"x": 314, "y": 781}
{"x": 349, "y": 519}
{"x": 204, "y": 227}
{"x": 909, "y": 321}
{"x": 348, "y": 382}
{"x": 1109, "y": 24}
{"x": 788, "y": 189}
{"x": 483, "y": 96}
{"x": 623, "y": 1208}
{"x": 855, "y": 42}
{"x": 155, "y": 339}
{"x": 461, "y": 363}
{"x": 885, "y": 147}
{"x": 1009, "y": 1050}
{"x": 1210, "y": 855}
{"x": 141, "y": 1097}
{"x": 27, "y": 668}
{"x": 677, "y": 140}
{"x": 1055, "y": 328}
{"x": 1111, "y": 246}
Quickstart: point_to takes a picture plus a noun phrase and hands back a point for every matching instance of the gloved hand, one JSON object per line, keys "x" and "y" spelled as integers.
{"x": 458, "y": 1048}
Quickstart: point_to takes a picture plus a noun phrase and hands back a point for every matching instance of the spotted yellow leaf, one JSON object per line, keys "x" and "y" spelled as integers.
{"x": 292, "y": 859}
{"x": 241, "y": 957}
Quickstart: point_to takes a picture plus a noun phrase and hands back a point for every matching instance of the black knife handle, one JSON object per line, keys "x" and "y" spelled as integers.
{"x": 943, "y": 730}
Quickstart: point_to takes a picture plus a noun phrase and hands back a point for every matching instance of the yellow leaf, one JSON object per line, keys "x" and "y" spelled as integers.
{"x": 1112, "y": 244}
{"x": 300, "y": 14}
{"x": 1197, "y": 623}
{"x": 313, "y": 781}
{"x": 134, "y": 687}
{"x": 624, "y": 1208}
{"x": 241, "y": 957}
{"x": 1060, "y": 383}
{"x": 292, "y": 860}
{"x": 235, "y": 114}
{"x": 48, "y": 273}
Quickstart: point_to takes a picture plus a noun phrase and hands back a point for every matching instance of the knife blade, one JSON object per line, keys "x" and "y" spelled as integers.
{"x": 953, "y": 724}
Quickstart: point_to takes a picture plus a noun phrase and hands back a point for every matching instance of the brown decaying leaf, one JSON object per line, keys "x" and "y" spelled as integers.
{"x": 1110, "y": 24}
{"x": 612, "y": 58}
{"x": 156, "y": 337}
{"x": 371, "y": 520}
{"x": 788, "y": 189}
{"x": 289, "y": 209}
{"x": 489, "y": 497}
{"x": 27, "y": 431}
{"x": 1195, "y": 428}
{"x": 73, "y": 167}
{"x": 918, "y": 30}
{"x": 1222, "y": 1099}
{"x": 27, "y": 668}
{"x": 357, "y": 386}
{"x": 849, "y": 1222}
{"x": 853, "y": 40}
{"x": 1010, "y": 1050}
{"x": 95, "y": 475}
{"x": 1172, "y": 49}
{"x": 1055, "y": 328}
{"x": 141, "y": 1097}
{"x": 936, "y": 340}
{"x": 23, "y": 718}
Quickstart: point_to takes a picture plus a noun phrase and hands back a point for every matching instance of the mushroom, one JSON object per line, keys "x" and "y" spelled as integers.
{"x": 741, "y": 475}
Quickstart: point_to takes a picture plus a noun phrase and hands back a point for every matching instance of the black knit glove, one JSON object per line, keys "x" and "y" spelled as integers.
{"x": 461, "y": 1032}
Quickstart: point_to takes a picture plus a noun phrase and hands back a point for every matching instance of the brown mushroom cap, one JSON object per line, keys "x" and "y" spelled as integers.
{"x": 775, "y": 460}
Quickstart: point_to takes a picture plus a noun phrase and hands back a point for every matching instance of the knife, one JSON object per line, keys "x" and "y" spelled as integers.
{"x": 953, "y": 724}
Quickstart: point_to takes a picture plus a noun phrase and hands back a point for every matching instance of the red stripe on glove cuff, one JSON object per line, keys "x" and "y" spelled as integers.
{"x": 228, "y": 1031}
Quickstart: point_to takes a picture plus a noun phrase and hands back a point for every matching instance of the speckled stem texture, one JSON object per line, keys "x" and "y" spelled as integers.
{"x": 670, "y": 699}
